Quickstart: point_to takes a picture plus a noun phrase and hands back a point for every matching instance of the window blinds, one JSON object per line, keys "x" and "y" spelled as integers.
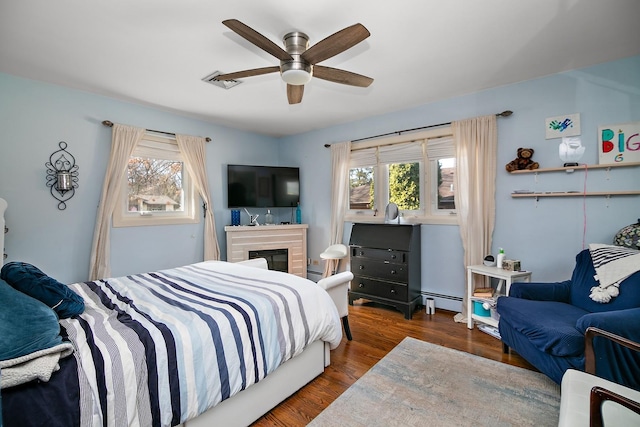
{"x": 438, "y": 148}
{"x": 401, "y": 153}
{"x": 156, "y": 147}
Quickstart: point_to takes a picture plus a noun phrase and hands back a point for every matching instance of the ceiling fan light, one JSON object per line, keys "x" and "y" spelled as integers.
{"x": 296, "y": 77}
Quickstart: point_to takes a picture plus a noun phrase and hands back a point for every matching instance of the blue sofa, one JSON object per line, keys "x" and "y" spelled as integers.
{"x": 546, "y": 323}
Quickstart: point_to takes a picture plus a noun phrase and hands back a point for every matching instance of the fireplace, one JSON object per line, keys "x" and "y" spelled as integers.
{"x": 277, "y": 259}
{"x": 270, "y": 239}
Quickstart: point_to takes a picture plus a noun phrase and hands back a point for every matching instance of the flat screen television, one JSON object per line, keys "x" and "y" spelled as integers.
{"x": 262, "y": 186}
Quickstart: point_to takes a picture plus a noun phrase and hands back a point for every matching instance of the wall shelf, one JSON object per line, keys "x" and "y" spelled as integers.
{"x": 570, "y": 169}
{"x": 576, "y": 194}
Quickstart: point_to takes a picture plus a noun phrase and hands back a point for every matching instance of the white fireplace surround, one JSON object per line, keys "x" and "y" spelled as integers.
{"x": 292, "y": 237}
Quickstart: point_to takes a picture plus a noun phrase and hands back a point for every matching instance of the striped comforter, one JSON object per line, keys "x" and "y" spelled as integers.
{"x": 161, "y": 348}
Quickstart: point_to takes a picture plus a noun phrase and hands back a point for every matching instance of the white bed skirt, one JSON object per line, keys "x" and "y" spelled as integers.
{"x": 250, "y": 404}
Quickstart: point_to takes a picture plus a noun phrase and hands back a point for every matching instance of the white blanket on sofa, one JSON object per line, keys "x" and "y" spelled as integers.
{"x": 613, "y": 264}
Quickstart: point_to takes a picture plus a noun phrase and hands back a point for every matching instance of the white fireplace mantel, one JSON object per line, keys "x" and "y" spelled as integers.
{"x": 243, "y": 238}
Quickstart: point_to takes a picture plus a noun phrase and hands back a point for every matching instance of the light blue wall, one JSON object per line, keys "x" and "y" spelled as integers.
{"x": 545, "y": 236}
{"x": 35, "y": 116}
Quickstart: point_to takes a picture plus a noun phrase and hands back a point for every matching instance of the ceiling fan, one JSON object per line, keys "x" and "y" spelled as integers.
{"x": 298, "y": 61}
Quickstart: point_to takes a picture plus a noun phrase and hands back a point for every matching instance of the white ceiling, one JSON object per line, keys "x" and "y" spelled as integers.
{"x": 155, "y": 52}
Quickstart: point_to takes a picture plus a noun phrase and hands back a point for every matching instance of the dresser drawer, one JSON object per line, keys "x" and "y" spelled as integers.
{"x": 377, "y": 288}
{"x": 380, "y": 269}
{"x": 389, "y": 255}
{"x": 386, "y": 265}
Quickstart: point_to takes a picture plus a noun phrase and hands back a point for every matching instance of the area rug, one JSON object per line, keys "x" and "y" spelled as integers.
{"x": 420, "y": 384}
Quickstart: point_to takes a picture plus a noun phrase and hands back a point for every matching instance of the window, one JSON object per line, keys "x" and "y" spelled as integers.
{"x": 416, "y": 172}
{"x": 361, "y": 188}
{"x": 156, "y": 189}
{"x": 445, "y": 170}
{"x": 441, "y": 155}
{"x": 404, "y": 185}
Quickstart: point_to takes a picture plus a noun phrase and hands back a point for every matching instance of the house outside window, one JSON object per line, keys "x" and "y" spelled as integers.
{"x": 415, "y": 171}
{"x": 361, "y": 188}
{"x": 156, "y": 189}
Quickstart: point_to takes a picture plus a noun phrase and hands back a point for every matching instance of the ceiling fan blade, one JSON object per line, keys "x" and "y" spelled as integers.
{"x": 335, "y": 44}
{"x": 257, "y": 39}
{"x": 341, "y": 76}
{"x": 294, "y": 93}
{"x": 246, "y": 73}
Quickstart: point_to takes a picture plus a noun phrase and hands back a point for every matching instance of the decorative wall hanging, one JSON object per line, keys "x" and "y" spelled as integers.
{"x": 62, "y": 175}
{"x": 619, "y": 143}
{"x": 559, "y": 126}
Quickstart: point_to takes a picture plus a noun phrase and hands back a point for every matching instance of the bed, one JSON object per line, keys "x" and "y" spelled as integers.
{"x": 212, "y": 343}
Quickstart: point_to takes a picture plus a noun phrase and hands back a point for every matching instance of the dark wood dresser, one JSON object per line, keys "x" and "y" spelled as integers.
{"x": 385, "y": 261}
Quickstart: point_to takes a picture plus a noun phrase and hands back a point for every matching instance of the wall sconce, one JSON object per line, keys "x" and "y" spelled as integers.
{"x": 62, "y": 175}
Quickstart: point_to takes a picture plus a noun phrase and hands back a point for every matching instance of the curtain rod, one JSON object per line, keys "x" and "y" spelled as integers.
{"x": 505, "y": 113}
{"x": 110, "y": 124}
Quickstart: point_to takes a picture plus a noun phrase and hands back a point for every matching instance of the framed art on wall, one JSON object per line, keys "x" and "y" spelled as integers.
{"x": 561, "y": 126}
{"x": 619, "y": 143}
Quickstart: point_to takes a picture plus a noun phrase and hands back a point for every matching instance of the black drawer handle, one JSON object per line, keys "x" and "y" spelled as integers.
{"x": 361, "y": 253}
{"x": 393, "y": 256}
{"x": 361, "y": 267}
{"x": 361, "y": 285}
{"x": 393, "y": 291}
{"x": 393, "y": 272}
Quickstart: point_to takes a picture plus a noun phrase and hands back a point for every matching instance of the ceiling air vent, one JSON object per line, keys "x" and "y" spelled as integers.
{"x": 225, "y": 84}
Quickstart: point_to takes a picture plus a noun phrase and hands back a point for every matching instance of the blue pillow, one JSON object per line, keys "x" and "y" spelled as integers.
{"x": 30, "y": 280}
{"x": 26, "y": 324}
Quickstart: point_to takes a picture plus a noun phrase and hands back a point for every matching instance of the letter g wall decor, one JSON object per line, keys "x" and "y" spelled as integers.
{"x": 62, "y": 175}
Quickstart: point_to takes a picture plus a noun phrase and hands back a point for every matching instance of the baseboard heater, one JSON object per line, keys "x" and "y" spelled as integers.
{"x": 434, "y": 295}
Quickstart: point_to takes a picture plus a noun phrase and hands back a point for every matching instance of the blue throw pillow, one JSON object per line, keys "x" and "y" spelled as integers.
{"x": 26, "y": 324}
{"x": 30, "y": 280}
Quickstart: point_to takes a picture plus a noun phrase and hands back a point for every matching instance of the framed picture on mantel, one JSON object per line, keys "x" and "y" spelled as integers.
{"x": 619, "y": 143}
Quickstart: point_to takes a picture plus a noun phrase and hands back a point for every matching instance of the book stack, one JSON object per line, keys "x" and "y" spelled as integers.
{"x": 491, "y": 330}
{"x": 483, "y": 292}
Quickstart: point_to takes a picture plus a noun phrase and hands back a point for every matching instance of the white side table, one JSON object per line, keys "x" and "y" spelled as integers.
{"x": 506, "y": 279}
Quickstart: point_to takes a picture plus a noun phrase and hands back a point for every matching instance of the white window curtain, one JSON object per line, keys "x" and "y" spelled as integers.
{"x": 193, "y": 152}
{"x": 476, "y": 143}
{"x": 340, "y": 153}
{"x": 123, "y": 141}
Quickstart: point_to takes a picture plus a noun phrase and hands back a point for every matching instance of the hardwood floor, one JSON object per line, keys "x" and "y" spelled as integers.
{"x": 376, "y": 330}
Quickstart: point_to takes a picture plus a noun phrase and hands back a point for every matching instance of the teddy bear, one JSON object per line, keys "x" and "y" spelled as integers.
{"x": 523, "y": 161}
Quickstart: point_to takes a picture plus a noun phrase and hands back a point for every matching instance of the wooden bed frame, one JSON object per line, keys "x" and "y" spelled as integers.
{"x": 247, "y": 406}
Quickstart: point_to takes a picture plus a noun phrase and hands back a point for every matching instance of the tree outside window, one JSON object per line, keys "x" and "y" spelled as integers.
{"x": 154, "y": 185}
{"x": 404, "y": 185}
{"x": 156, "y": 189}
